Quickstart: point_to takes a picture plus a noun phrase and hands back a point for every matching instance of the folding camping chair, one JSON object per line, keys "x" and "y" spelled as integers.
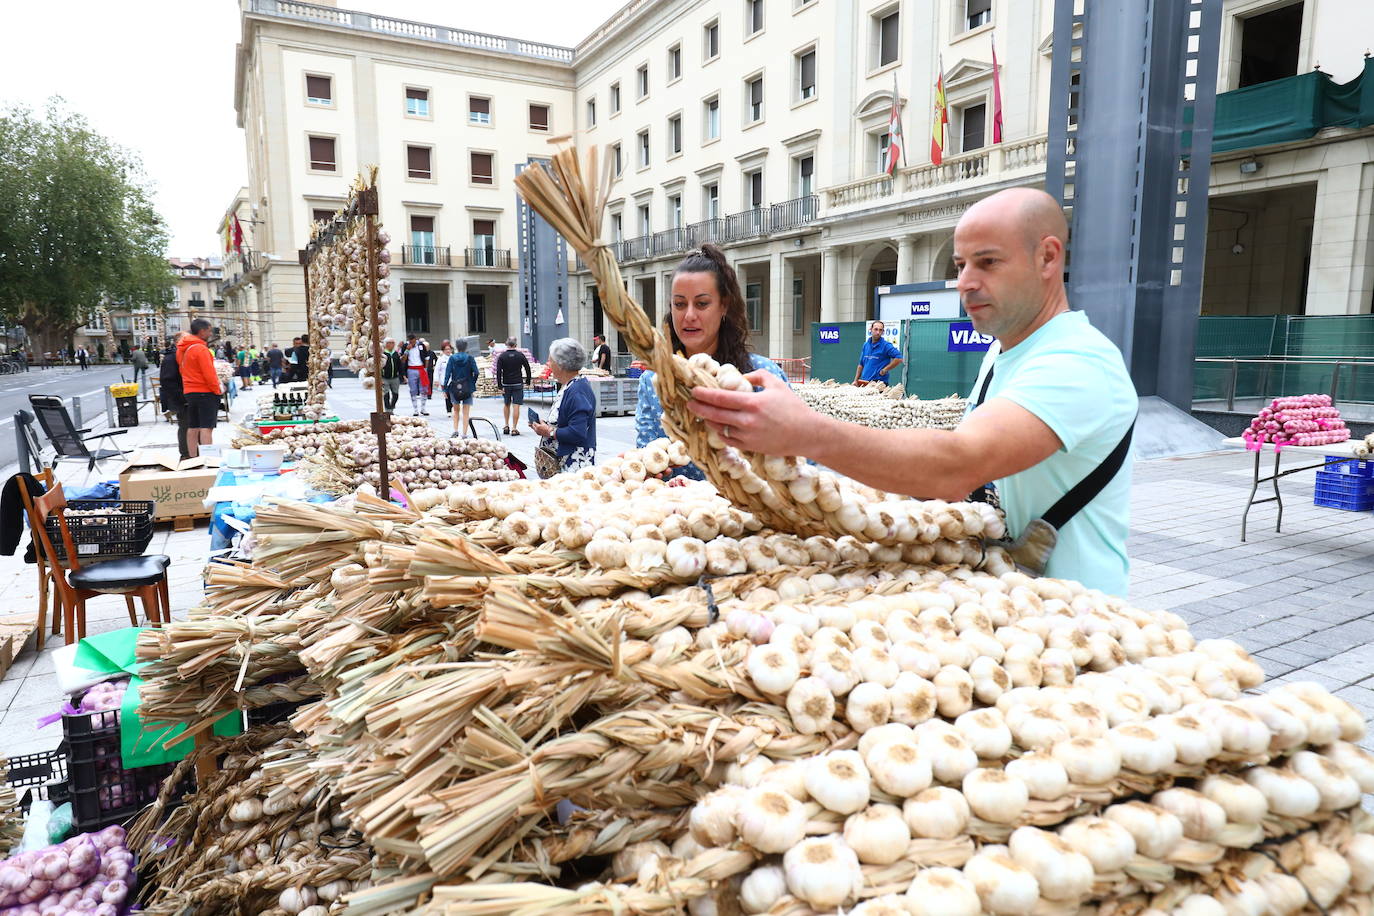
{"x": 67, "y": 441}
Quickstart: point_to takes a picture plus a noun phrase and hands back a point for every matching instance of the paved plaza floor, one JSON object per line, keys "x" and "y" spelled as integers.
{"x": 1301, "y": 600}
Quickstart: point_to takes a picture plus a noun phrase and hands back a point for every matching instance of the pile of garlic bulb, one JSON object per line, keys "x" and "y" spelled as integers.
{"x": 880, "y": 407}
{"x": 1072, "y": 743}
{"x": 622, "y": 515}
{"x": 416, "y": 458}
{"x": 301, "y": 441}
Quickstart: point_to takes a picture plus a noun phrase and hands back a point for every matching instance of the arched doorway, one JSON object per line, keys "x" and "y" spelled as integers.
{"x": 876, "y": 266}
{"x": 942, "y": 267}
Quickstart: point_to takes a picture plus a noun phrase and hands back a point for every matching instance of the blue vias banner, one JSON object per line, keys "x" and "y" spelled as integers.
{"x": 964, "y": 339}
{"x": 828, "y": 334}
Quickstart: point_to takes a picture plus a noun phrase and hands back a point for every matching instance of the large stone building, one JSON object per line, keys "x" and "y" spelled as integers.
{"x": 759, "y": 124}
{"x": 195, "y": 294}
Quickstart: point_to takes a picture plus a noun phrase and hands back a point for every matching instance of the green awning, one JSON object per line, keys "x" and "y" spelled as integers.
{"x": 1295, "y": 108}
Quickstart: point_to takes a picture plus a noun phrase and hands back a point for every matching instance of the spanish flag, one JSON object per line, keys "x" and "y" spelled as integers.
{"x": 937, "y": 133}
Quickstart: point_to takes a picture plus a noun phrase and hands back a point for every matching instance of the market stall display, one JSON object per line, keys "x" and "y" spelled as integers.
{"x": 341, "y": 462}
{"x": 898, "y": 727}
{"x": 347, "y": 269}
{"x": 881, "y": 407}
{"x": 1304, "y": 420}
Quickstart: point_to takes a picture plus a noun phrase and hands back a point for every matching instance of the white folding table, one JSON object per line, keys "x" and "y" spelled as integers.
{"x": 1339, "y": 451}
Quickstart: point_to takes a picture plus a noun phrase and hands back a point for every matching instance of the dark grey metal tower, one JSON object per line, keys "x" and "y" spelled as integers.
{"x": 543, "y": 277}
{"x": 1130, "y": 148}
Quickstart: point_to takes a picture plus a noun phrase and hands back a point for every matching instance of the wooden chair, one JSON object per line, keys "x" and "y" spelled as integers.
{"x": 40, "y": 559}
{"x": 144, "y": 577}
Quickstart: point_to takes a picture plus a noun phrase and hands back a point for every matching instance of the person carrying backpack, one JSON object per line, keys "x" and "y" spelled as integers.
{"x": 173, "y": 397}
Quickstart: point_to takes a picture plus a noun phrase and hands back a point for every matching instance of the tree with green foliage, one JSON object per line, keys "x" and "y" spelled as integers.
{"x": 77, "y": 227}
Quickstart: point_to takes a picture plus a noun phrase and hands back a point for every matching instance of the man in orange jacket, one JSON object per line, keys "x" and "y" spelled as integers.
{"x": 200, "y": 384}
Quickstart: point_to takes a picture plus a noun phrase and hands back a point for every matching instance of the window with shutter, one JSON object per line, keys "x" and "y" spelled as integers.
{"x": 321, "y": 216}
{"x": 418, "y": 162}
{"x": 756, "y": 99}
{"x": 710, "y": 41}
{"x": 318, "y": 90}
{"x": 675, "y": 133}
{"x": 888, "y": 38}
{"x": 481, "y": 168}
{"x": 417, "y": 102}
{"x": 479, "y": 110}
{"x": 807, "y": 72}
{"x": 974, "y": 127}
{"x": 322, "y": 154}
{"x": 539, "y": 117}
{"x": 977, "y": 12}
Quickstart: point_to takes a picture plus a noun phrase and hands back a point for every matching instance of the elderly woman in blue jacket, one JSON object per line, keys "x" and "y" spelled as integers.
{"x": 707, "y": 315}
{"x": 572, "y": 421}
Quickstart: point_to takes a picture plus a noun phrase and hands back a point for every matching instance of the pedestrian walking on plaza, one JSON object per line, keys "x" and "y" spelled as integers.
{"x": 437, "y": 375}
{"x": 512, "y": 374}
{"x": 459, "y": 381}
{"x": 415, "y": 376}
{"x": 275, "y": 360}
{"x": 243, "y": 368}
{"x": 393, "y": 368}
{"x": 431, "y": 362}
{"x": 200, "y": 383}
{"x": 83, "y": 358}
{"x": 603, "y": 353}
{"x": 140, "y": 363}
{"x": 172, "y": 398}
{"x": 302, "y": 358}
{"x": 571, "y": 428}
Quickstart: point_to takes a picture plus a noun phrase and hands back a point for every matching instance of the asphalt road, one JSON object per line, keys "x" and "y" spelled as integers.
{"x": 67, "y": 382}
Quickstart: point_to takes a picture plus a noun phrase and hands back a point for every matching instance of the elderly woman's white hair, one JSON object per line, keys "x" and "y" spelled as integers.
{"x": 568, "y": 354}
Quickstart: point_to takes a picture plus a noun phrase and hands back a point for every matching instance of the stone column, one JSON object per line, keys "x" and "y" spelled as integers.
{"x": 830, "y": 285}
{"x": 515, "y": 317}
{"x": 906, "y": 259}
{"x": 779, "y": 306}
{"x": 1341, "y": 278}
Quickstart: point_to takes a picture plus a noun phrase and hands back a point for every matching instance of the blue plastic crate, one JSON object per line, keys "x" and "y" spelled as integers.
{"x": 634, "y": 372}
{"x": 1356, "y": 467}
{"x": 1344, "y": 491}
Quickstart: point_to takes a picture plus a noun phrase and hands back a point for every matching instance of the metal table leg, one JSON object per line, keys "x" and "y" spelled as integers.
{"x": 1250, "y": 500}
{"x": 1277, "y": 498}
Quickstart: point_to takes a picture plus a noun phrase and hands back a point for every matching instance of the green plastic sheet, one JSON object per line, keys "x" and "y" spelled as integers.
{"x": 141, "y": 742}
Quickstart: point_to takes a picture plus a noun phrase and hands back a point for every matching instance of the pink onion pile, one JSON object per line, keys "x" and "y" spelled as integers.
{"x": 88, "y": 874}
{"x": 1306, "y": 419}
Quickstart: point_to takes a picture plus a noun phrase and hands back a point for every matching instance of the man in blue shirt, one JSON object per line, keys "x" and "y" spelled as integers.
{"x": 1059, "y": 401}
{"x": 877, "y": 358}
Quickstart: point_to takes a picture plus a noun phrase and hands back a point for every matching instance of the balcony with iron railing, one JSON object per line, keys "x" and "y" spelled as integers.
{"x": 983, "y": 166}
{"x": 425, "y": 255}
{"x": 747, "y": 225}
{"x": 497, "y": 258}
{"x": 707, "y": 230}
{"x": 405, "y": 28}
{"x": 670, "y": 241}
{"x": 240, "y": 268}
{"x": 797, "y": 213}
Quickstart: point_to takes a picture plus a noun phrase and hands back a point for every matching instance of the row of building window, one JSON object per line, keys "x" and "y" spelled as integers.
{"x": 323, "y": 157}
{"x": 319, "y": 90}
{"x": 884, "y": 49}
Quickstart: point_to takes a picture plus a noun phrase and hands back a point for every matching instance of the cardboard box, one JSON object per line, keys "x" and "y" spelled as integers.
{"x": 176, "y": 487}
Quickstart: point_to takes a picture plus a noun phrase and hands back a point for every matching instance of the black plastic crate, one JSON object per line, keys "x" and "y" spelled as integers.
{"x": 103, "y": 792}
{"x": 41, "y": 775}
{"x": 102, "y": 537}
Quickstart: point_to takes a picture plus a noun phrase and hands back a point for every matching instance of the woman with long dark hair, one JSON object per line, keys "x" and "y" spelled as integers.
{"x": 706, "y": 315}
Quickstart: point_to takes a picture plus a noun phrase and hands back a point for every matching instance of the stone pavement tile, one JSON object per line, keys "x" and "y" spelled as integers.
{"x": 1321, "y": 677}
{"x": 9, "y": 689}
{"x": 1360, "y": 697}
{"x": 1272, "y": 666}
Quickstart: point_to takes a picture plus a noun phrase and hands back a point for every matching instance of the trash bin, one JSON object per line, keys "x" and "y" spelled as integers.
{"x": 126, "y": 404}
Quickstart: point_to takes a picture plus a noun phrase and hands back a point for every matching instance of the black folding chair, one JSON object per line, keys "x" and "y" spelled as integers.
{"x": 68, "y": 442}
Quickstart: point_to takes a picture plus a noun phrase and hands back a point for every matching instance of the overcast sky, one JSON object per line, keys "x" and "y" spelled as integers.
{"x": 157, "y": 77}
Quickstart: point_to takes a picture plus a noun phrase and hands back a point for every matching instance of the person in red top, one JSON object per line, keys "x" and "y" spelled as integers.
{"x": 200, "y": 384}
